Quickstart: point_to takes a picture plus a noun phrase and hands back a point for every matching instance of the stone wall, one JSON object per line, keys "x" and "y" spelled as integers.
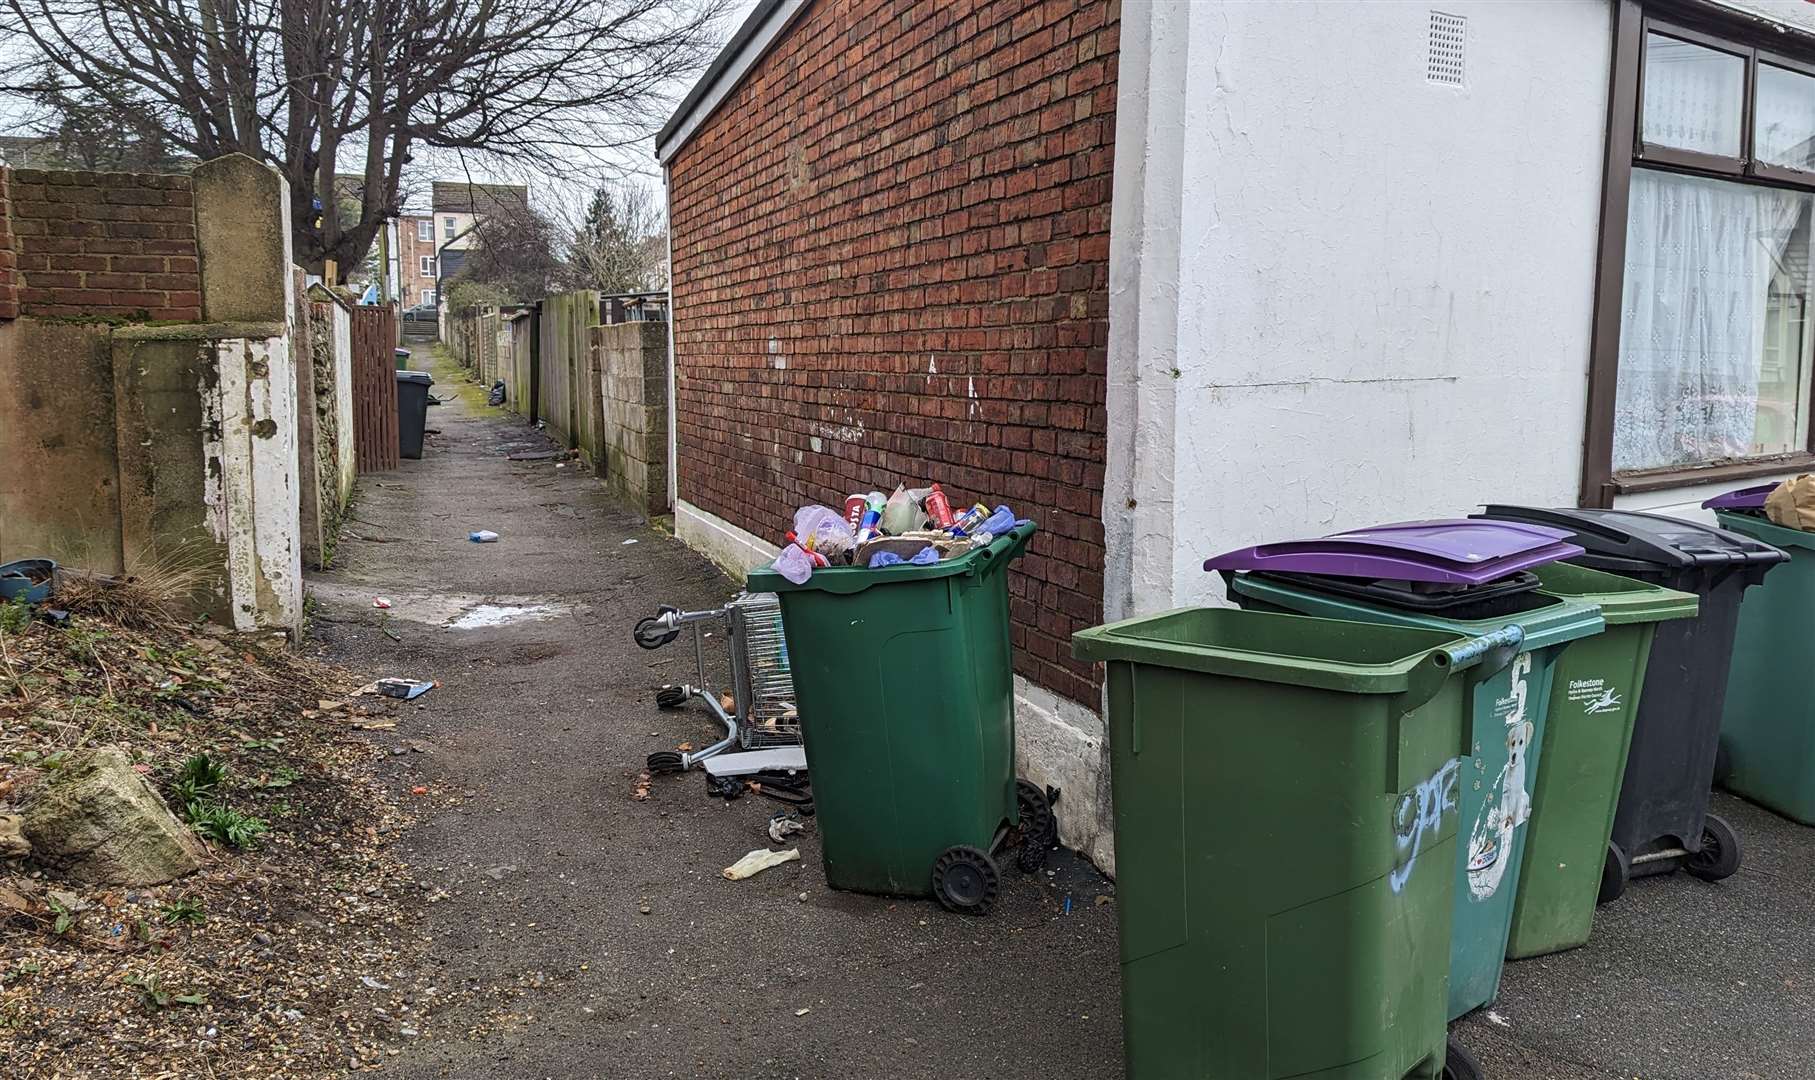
{"x": 632, "y": 361}
{"x": 133, "y": 442}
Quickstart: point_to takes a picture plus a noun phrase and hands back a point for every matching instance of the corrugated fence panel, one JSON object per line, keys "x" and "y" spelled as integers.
{"x": 375, "y": 387}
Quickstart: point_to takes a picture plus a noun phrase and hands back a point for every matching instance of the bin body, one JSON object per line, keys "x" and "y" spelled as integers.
{"x": 1676, "y": 732}
{"x": 1505, "y": 757}
{"x": 1595, "y": 694}
{"x": 1285, "y": 819}
{"x": 905, "y": 685}
{"x": 412, "y": 411}
{"x": 1768, "y": 723}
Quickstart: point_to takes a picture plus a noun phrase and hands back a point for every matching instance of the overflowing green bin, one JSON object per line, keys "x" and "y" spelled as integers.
{"x": 905, "y": 686}
{"x": 1285, "y": 824}
{"x": 1594, "y": 697}
{"x": 1768, "y": 725}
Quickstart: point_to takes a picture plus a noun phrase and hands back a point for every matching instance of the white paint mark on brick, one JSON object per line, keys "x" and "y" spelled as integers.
{"x": 818, "y": 444}
{"x": 839, "y": 432}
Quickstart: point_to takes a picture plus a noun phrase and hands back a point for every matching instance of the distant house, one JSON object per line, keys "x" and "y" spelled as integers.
{"x": 432, "y": 243}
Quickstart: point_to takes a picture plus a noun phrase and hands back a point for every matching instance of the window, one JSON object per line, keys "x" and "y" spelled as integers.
{"x": 1704, "y": 356}
{"x": 425, "y": 231}
{"x": 447, "y": 228}
{"x": 428, "y": 296}
{"x": 425, "y": 265}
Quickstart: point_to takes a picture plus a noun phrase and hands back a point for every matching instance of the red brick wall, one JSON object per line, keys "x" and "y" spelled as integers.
{"x": 891, "y": 250}
{"x": 118, "y": 245}
{"x": 9, "y": 287}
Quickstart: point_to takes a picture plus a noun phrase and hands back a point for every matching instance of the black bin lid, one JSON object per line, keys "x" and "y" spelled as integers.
{"x": 415, "y": 377}
{"x": 1653, "y": 540}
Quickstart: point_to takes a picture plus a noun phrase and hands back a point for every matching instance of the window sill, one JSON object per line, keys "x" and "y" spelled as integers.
{"x": 1664, "y": 479}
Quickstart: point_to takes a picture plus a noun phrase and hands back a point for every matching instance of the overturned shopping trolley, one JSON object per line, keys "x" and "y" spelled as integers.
{"x": 762, "y": 720}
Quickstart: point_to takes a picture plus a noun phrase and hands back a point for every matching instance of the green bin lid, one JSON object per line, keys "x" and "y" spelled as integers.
{"x": 1329, "y": 654}
{"x": 846, "y": 580}
{"x": 1763, "y": 528}
{"x": 1622, "y": 600}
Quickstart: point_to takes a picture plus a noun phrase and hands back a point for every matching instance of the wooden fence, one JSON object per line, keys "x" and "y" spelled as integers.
{"x": 375, "y": 387}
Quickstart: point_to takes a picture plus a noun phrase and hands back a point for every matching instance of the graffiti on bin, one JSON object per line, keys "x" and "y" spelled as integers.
{"x": 1508, "y": 803}
{"x": 1420, "y": 811}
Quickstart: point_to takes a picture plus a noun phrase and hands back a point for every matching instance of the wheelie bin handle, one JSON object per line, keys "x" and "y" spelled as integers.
{"x": 1501, "y": 645}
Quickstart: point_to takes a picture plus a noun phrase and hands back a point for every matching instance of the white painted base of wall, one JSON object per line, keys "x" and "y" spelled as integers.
{"x": 1058, "y": 742}
{"x": 733, "y": 549}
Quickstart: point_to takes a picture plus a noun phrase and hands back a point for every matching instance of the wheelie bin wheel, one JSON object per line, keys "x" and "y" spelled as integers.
{"x": 1720, "y": 855}
{"x": 965, "y": 880}
{"x": 1616, "y": 873}
{"x": 1037, "y": 829}
{"x": 1459, "y": 1064}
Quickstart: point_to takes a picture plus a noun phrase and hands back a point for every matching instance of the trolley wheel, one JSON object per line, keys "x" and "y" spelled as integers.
{"x": 651, "y": 635}
{"x": 965, "y": 880}
{"x": 671, "y": 697}
{"x": 664, "y": 761}
{"x": 1616, "y": 874}
{"x": 1459, "y": 1064}
{"x": 1037, "y": 827}
{"x": 1721, "y": 853}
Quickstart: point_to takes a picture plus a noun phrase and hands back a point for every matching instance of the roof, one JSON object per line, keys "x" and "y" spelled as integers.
{"x": 753, "y": 40}
{"x": 457, "y": 198}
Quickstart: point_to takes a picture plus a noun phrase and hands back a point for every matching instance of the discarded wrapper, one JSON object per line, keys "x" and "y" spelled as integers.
{"x": 407, "y": 689}
{"x": 757, "y": 861}
{"x": 483, "y": 536}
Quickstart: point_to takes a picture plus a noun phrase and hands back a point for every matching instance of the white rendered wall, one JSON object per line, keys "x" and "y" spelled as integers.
{"x": 1384, "y": 285}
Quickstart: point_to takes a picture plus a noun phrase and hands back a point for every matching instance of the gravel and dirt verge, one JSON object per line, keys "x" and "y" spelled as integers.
{"x": 290, "y": 956}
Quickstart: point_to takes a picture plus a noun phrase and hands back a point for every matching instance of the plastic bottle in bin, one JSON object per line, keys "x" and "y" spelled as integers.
{"x": 939, "y": 508}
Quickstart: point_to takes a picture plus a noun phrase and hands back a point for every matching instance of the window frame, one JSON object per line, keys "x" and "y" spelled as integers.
{"x": 449, "y": 228}
{"x": 425, "y": 266}
{"x": 1626, "y": 150}
{"x": 425, "y": 225}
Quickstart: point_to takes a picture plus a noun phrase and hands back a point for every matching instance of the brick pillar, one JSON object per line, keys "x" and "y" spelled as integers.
{"x": 9, "y": 260}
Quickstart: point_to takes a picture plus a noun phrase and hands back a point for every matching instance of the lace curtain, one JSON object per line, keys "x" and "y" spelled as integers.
{"x": 1701, "y": 256}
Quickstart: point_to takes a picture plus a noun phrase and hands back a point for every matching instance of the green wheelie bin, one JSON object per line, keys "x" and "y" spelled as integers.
{"x": 1468, "y": 578}
{"x": 1285, "y": 827}
{"x": 905, "y": 686}
{"x": 1594, "y": 697}
{"x": 1767, "y": 732}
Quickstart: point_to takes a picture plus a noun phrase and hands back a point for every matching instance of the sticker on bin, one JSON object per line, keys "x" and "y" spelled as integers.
{"x": 1508, "y": 804}
{"x": 1457, "y": 551}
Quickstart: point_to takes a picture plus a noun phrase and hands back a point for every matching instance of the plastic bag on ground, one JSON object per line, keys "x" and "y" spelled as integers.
{"x": 757, "y": 861}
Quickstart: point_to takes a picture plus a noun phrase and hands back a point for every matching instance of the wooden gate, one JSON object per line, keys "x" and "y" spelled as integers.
{"x": 375, "y": 387}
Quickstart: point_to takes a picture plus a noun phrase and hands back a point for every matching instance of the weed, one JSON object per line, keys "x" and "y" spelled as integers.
{"x": 65, "y": 919}
{"x": 274, "y": 743}
{"x": 185, "y": 910}
{"x": 15, "y": 615}
{"x": 226, "y": 825}
{"x": 198, "y": 780}
{"x": 153, "y": 598}
{"x": 153, "y": 996}
{"x": 281, "y": 777}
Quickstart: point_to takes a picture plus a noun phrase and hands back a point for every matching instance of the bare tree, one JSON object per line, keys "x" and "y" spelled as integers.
{"x": 349, "y": 89}
{"x": 621, "y": 244}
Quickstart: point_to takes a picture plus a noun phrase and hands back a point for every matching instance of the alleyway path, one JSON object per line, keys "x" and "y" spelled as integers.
{"x": 585, "y": 935}
{"x": 593, "y": 932}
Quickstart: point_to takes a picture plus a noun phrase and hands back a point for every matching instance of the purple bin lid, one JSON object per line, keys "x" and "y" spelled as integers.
{"x": 1458, "y": 551}
{"x": 1746, "y": 498}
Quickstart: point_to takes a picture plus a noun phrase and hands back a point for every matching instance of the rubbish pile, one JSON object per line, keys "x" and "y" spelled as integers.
{"x": 915, "y": 526}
